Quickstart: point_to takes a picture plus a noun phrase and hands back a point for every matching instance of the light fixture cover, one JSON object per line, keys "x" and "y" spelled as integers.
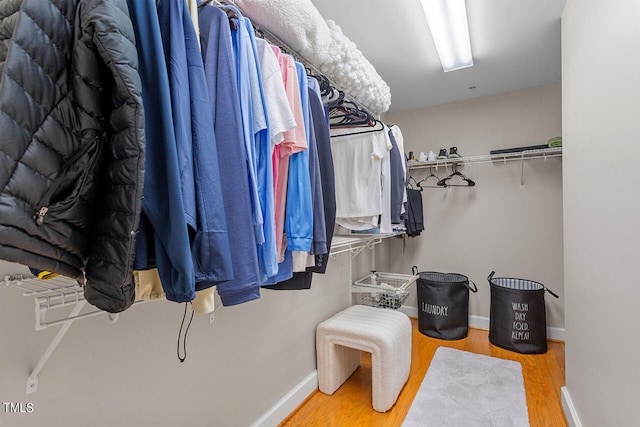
{"x": 448, "y": 24}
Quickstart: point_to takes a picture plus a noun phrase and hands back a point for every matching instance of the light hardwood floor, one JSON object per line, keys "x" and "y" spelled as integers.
{"x": 351, "y": 404}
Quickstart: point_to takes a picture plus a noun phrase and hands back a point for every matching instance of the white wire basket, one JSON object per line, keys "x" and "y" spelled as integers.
{"x": 385, "y": 290}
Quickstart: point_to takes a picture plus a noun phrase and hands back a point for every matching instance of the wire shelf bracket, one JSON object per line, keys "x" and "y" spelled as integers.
{"x": 356, "y": 243}
{"x": 32, "y": 380}
{"x": 53, "y": 295}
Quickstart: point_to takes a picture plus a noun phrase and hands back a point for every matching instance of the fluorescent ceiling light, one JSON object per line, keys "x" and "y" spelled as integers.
{"x": 448, "y": 23}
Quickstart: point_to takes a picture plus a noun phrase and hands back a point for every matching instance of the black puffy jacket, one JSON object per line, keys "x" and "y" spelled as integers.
{"x": 71, "y": 143}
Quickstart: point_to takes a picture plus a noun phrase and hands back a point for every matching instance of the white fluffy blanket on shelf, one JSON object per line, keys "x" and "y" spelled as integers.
{"x": 322, "y": 43}
{"x": 297, "y": 22}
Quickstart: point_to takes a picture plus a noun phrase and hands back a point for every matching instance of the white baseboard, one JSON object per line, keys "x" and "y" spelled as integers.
{"x": 481, "y": 322}
{"x": 289, "y": 402}
{"x": 555, "y": 333}
{"x": 569, "y": 410}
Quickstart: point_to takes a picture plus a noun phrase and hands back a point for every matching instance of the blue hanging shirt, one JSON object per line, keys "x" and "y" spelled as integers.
{"x": 299, "y": 208}
{"x": 196, "y": 143}
{"x": 162, "y": 206}
{"x": 267, "y": 251}
{"x": 246, "y": 79}
{"x": 219, "y": 65}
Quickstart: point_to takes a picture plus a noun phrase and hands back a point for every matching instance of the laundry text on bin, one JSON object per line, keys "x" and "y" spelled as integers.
{"x": 436, "y": 310}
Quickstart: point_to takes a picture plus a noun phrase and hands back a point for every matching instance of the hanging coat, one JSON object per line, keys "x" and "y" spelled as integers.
{"x": 72, "y": 146}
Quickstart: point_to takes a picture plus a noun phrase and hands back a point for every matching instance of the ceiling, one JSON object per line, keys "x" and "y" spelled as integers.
{"x": 515, "y": 44}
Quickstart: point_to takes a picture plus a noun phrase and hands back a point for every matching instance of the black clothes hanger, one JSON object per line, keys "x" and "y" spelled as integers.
{"x": 334, "y": 98}
{"x": 445, "y": 181}
{"x": 378, "y": 126}
{"x": 325, "y": 86}
{"x": 414, "y": 185}
{"x": 431, "y": 174}
{"x": 331, "y": 98}
{"x": 349, "y": 114}
{"x": 340, "y": 117}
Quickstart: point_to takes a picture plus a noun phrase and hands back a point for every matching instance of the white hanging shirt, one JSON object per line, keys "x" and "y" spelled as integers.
{"x": 278, "y": 110}
{"x": 358, "y": 176}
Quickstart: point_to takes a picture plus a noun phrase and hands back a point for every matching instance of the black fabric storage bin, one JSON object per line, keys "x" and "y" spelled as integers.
{"x": 443, "y": 304}
{"x": 517, "y": 319}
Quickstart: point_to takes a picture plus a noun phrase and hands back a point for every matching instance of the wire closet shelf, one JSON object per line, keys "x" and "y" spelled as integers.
{"x": 545, "y": 153}
{"x": 53, "y": 296}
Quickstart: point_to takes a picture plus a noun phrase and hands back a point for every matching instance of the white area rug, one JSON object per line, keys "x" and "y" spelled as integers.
{"x": 462, "y": 389}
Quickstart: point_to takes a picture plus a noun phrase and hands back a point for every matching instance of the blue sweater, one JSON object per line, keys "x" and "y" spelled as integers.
{"x": 162, "y": 205}
{"x": 196, "y": 143}
{"x": 217, "y": 51}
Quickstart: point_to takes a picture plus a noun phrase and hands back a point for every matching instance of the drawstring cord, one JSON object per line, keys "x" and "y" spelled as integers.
{"x": 184, "y": 344}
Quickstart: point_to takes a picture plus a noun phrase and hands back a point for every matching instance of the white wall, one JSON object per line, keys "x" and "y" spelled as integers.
{"x": 128, "y": 374}
{"x": 601, "y": 125}
{"x": 496, "y": 225}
